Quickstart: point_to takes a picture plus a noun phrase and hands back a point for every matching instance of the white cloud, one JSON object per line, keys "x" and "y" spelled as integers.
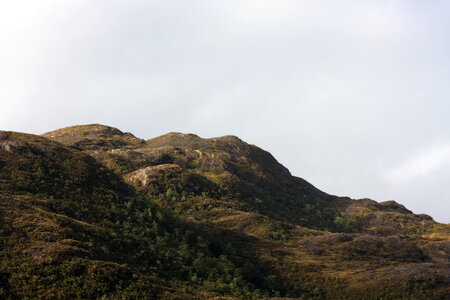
{"x": 420, "y": 165}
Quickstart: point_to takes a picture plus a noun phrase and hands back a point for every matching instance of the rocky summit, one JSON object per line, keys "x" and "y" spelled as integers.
{"x": 91, "y": 212}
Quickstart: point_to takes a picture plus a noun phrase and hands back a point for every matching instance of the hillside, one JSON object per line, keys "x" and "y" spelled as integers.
{"x": 90, "y": 212}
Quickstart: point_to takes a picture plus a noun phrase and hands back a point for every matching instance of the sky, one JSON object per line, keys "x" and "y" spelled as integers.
{"x": 351, "y": 95}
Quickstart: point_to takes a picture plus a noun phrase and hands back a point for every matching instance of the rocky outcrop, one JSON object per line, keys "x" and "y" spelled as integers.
{"x": 143, "y": 177}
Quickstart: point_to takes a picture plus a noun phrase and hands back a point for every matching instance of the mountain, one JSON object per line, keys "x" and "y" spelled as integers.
{"x": 91, "y": 212}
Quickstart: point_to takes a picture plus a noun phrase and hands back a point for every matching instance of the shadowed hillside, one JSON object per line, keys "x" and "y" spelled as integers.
{"x": 90, "y": 212}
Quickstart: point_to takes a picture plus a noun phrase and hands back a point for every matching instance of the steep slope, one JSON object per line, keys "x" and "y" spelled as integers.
{"x": 259, "y": 231}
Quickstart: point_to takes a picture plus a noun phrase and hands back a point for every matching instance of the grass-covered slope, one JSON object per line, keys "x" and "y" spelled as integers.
{"x": 94, "y": 136}
{"x": 106, "y": 214}
{"x": 70, "y": 228}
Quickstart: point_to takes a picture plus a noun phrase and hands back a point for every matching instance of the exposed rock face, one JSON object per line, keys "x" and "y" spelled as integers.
{"x": 143, "y": 177}
{"x": 10, "y": 146}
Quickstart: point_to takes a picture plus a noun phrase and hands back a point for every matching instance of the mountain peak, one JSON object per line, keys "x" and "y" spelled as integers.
{"x": 93, "y": 137}
{"x": 93, "y": 130}
{"x": 189, "y": 140}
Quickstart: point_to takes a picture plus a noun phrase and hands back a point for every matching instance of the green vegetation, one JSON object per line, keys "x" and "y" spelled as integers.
{"x": 109, "y": 216}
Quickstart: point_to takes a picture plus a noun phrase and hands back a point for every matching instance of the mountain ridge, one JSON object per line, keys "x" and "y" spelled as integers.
{"x": 182, "y": 217}
{"x": 171, "y": 138}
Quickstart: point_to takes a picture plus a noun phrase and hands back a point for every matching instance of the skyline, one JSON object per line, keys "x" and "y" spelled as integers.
{"x": 353, "y": 97}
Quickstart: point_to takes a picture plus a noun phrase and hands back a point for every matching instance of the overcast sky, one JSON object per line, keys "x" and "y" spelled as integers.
{"x": 353, "y": 96}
